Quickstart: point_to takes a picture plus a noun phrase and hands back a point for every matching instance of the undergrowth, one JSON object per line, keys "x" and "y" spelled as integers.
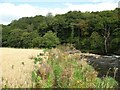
{"x": 63, "y": 70}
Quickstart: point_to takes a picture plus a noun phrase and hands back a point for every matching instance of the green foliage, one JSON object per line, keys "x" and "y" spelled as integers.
{"x": 15, "y": 39}
{"x": 50, "y": 40}
{"x": 107, "y": 82}
{"x": 83, "y": 44}
{"x": 67, "y": 71}
{"x": 38, "y": 59}
{"x": 115, "y": 47}
{"x": 96, "y": 42}
{"x": 35, "y": 78}
{"x": 96, "y": 32}
{"x": 37, "y": 42}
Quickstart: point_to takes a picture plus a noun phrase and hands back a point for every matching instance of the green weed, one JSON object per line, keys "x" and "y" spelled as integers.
{"x": 67, "y": 71}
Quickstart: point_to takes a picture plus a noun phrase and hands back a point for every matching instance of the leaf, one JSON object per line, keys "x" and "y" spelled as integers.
{"x": 33, "y": 75}
{"x": 38, "y": 78}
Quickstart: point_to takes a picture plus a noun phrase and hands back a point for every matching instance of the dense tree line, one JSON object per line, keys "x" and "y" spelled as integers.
{"x": 96, "y": 32}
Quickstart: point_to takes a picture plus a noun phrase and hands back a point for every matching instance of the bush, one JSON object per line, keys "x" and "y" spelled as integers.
{"x": 37, "y": 42}
{"x": 50, "y": 40}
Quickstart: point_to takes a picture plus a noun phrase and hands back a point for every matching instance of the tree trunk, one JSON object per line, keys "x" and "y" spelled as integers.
{"x": 105, "y": 42}
{"x": 106, "y": 37}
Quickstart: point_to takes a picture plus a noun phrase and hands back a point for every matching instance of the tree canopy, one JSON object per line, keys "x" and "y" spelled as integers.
{"x": 96, "y": 32}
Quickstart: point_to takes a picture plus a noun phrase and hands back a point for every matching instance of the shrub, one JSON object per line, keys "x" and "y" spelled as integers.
{"x": 50, "y": 40}
{"x": 37, "y": 42}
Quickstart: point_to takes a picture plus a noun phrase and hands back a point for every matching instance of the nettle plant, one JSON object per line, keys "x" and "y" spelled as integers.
{"x": 63, "y": 70}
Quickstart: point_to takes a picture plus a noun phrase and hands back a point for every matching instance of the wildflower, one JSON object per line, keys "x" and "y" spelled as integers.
{"x": 78, "y": 81}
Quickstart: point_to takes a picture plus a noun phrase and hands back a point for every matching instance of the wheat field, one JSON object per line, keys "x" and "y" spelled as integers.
{"x": 16, "y": 66}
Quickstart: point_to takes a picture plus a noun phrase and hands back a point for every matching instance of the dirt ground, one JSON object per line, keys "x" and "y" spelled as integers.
{"x": 16, "y": 66}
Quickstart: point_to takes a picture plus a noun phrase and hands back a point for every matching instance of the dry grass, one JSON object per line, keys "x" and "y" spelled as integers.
{"x": 16, "y": 66}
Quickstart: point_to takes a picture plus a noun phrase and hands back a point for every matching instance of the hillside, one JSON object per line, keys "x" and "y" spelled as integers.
{"x": 95, "y": 32}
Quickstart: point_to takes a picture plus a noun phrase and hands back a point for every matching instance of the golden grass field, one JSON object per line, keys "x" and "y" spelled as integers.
{"x": 16, "y": 66}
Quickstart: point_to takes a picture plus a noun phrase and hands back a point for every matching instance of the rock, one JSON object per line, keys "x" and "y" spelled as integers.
{"x": 73, "y": 51}
{"x": 105, "y": 65}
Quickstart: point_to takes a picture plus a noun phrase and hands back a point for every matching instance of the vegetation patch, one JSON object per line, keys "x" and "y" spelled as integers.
{"x": 63, "y": 70}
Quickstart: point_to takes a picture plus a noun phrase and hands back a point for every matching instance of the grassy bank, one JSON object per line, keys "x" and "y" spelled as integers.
{"x": 63, "y": 70}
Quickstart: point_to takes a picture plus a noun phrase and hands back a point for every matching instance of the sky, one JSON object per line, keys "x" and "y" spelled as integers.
{"x": 14, "y": 9}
